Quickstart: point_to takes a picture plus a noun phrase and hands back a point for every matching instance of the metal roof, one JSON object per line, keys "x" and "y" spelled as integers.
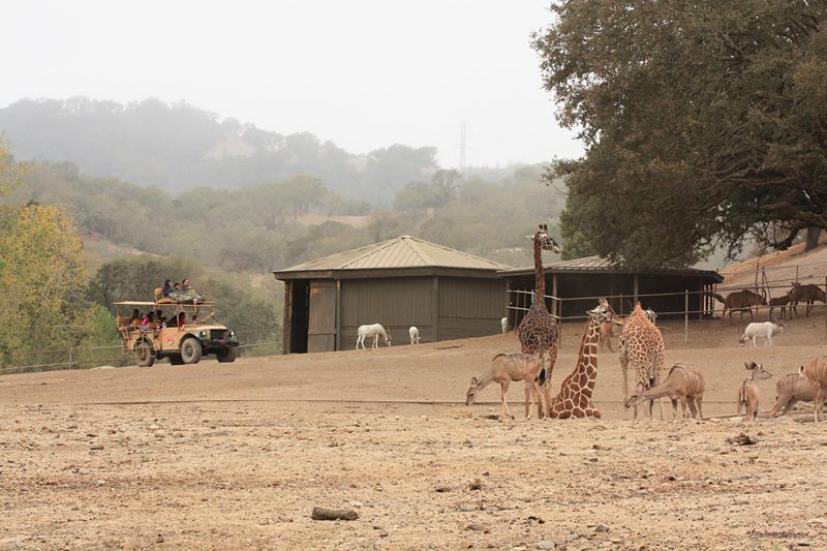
{"x": 401, "y": 252}
{"x": 597, "y": 264}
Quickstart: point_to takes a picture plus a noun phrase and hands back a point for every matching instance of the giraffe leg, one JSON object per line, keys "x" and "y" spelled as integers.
{"x": 624, "y": 367}
{"x": 539, "y": 386}
{"x": 552, "y": 359}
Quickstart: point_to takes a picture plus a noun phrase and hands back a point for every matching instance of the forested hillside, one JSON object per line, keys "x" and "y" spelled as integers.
{"x": 178, "y": 147}
{"x": 122, "y": 197}
{"x": 263, "y": 227}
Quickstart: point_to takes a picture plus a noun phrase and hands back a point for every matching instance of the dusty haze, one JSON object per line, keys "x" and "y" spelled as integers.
{"x": 364, "y": 74}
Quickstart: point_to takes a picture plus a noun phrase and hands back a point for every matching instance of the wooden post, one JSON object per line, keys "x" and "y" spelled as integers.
{"x": 508, "y": 310}
{"x": 554, "y": 294}
{"x": 686, "y": 317}
{"x": 338, "y": 314}
{"x": 287, "y": 317}
{"x": 435, "y": 308}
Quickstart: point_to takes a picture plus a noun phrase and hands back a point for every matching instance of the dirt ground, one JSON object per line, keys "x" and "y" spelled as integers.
{"x": 219, "y": 456}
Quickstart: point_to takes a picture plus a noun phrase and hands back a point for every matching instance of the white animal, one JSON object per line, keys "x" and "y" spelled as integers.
{"x": 504, "y": 323}
{"x": 414, "y": 333}
{"x": 374, "y": 330}
{"x": 763, "y": 329}
{"x": 651, "y": 314}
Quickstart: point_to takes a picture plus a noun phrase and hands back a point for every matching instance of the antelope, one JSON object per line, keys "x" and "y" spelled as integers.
{"x": 816, "y": 373}
{"x": 741, "y": 301}
{"x": 374, "y": 330}
{"x": 683, "y": 383}
{"x": 789, "y": 390}
{"x": 506, "y": 368}
{"x": 764, "y": 330}
{"x": 807, "y": 294}
{"x": 748, "y": 394}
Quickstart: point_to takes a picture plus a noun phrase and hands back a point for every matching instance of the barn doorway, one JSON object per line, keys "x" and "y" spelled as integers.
{"x": 299, "y": 315}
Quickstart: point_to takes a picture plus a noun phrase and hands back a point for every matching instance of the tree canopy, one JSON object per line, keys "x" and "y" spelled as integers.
{"x": 41, "y": 282}
{"x": 705, "y": 122}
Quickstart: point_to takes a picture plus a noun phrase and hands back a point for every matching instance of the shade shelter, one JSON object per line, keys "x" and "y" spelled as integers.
{"x": 576, "y": 282}
{"x": 405, "y": 281}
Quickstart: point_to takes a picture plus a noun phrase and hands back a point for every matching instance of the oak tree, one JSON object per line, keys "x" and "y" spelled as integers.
{"x": 704, "y": 122}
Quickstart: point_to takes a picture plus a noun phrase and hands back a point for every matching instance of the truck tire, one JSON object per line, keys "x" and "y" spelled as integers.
{"x": 191, "y": 350}
{"x": 144, "y": 354}
{"x": 228, "y": 355}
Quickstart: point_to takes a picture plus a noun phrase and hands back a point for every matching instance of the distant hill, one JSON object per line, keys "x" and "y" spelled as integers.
{"x": 179, "y": 147}
{"x": 780, "y": 267}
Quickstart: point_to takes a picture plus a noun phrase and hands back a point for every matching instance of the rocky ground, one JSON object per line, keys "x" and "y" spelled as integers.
{"x": 236, "y": 457}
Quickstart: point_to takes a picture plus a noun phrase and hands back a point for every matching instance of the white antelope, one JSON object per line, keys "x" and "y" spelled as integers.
{"x": 504, "y": 323}
{"x": 374, "y": 330}
{"x": 414, "y": 333}
{"x": 763, "y": 329}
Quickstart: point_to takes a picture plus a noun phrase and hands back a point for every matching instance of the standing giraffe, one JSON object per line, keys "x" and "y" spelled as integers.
{"x": 537, "y": 330}
{"x": 575, "y": 397}
{"x": 641, "y": 343}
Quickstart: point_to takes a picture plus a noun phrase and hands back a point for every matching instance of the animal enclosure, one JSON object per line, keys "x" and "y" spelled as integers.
{"x": 446, "y": 294}
{"x": 574, "y": 285}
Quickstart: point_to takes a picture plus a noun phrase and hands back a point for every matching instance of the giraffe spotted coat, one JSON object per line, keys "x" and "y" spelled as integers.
{"x": 642, "y": 349}
{"x": 575, "y": 397}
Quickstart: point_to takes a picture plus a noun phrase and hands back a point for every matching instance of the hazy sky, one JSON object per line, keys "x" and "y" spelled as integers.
{"x": 362, "y": 73}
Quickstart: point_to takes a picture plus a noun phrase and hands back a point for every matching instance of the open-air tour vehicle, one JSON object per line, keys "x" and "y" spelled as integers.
{"x": 197, "y": 334}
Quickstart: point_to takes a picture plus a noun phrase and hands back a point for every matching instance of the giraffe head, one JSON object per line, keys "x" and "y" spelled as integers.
{"x": 546, "y": 241}
{"x": 602, "y": 312}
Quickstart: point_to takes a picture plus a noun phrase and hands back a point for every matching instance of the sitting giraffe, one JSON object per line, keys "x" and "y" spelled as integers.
{"x": 575, "y": 397}
{"x": 537, "y": 330}
{"x": 641, "y": 343}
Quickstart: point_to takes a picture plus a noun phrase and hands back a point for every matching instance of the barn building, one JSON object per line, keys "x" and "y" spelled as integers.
{"x": 445, "y": 293}
{"x": 593, "y": 276}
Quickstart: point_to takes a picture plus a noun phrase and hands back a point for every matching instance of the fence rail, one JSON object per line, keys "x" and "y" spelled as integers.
{"x": 114, "y": 355}
{"x": 518, "y": 302}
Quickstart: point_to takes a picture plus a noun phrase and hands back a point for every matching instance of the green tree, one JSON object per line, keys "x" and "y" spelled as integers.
{"x": 704, "y": 122}
{"x": 41, "y": 283}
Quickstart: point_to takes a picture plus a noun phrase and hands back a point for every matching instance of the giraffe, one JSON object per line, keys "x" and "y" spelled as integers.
{"x": 537, "y": 330}
{"x": 575, "y": 397}
{"x": 641, "y": 343}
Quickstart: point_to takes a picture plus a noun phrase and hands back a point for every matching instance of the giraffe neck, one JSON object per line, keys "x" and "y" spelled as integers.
{"x": 588, "y": 352}
{"x": 539, "y": 277}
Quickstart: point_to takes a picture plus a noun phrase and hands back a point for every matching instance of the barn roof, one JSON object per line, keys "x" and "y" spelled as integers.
{"x": 401, "y": 253}
{"x": 597, "y": 264}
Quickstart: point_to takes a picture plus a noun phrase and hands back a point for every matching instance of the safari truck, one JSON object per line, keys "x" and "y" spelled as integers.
{"x": 184, "y": 333}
